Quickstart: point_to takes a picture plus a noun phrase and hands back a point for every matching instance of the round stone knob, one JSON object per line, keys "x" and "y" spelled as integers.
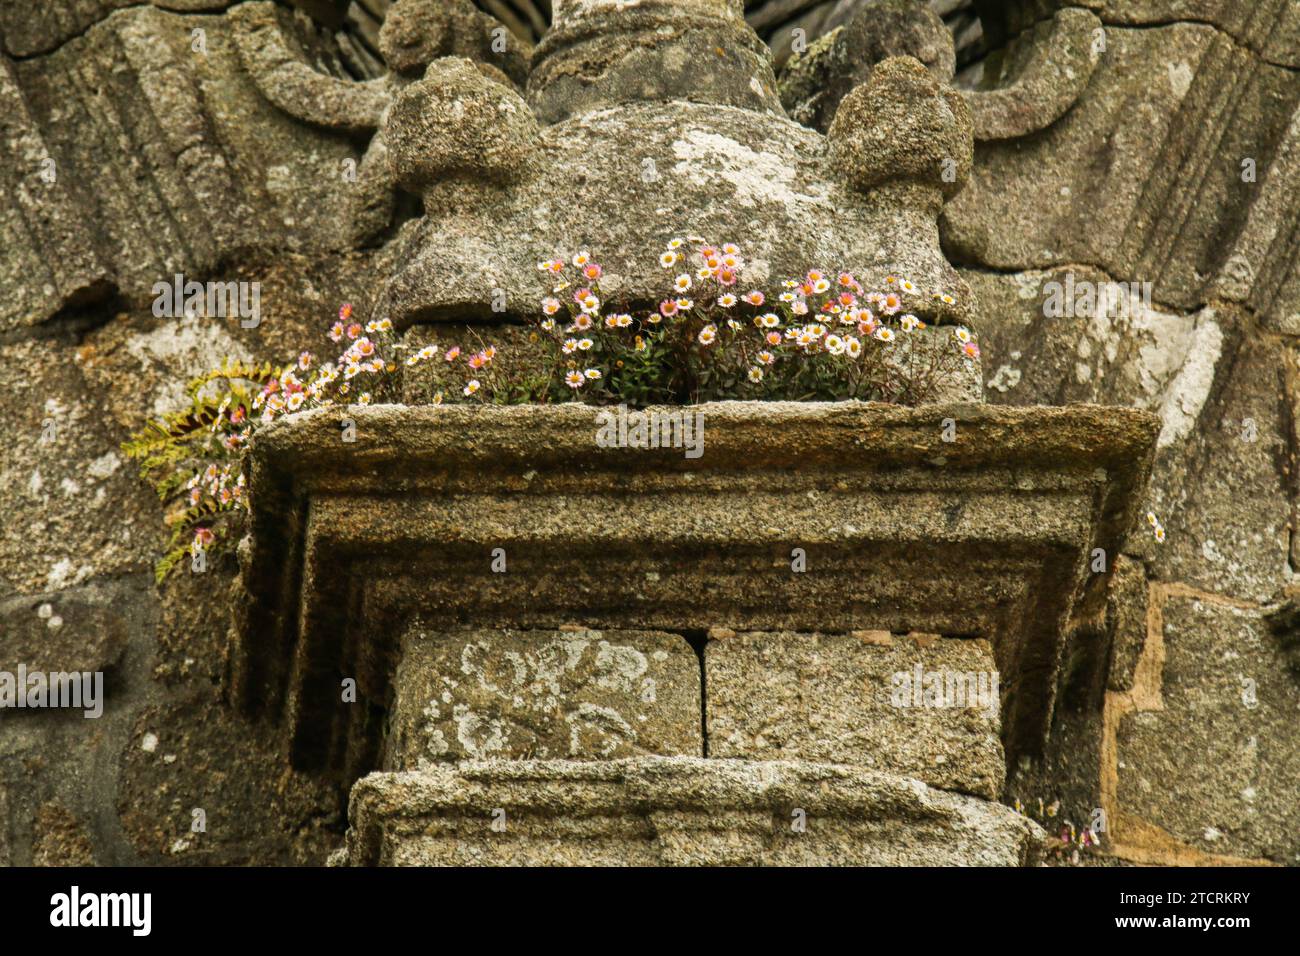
{"x": 903, "y": 124}
{"x": 458, "y": 123}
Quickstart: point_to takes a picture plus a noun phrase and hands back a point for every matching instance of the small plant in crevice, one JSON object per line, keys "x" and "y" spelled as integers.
{"x": 1068, "y": 841}
{"x": 193, "y": 457}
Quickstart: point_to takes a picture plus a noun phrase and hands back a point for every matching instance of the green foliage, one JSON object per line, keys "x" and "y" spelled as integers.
{"x": 817, "y": 340}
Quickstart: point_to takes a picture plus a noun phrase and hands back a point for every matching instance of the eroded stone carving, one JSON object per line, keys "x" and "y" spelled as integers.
{"x": 415, "y": 33}
{"x": 702, "y": 148}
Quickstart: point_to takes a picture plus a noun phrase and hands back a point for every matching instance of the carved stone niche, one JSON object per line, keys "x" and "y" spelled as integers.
{"x": 373, "y": 560}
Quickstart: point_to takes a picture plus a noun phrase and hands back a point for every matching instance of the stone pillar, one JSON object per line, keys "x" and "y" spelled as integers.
{"x": 602, "y": 53}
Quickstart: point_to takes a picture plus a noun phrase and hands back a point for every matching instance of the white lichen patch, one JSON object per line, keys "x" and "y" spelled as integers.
{"x": 182, "y": 348}
{"x": 593, "y": 728}
{"x": 1005, "y": 378}
{"x": 104, "y": 466}
{"x": 479, "y": 736}
{"x": 619, "y": 667}
{"x": 756, "y": 177}
{"x": 572, "y": 693}
{"x": 1190, "y": 388}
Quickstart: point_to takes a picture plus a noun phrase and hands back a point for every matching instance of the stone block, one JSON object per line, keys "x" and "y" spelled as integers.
{"x": 544, "y": 694}
{"x": 75, "y": 509}
{"x": 675, "y": 811}
{"x": 1216, "y": 765}
{"x": 1126, "y": 621}
{"x": 834, "y": 698}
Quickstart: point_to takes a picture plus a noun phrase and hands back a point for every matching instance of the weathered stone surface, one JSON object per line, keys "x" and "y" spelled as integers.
{"x": 166, "y": 160}
{"x": 675, "y": 811}
{"x": 1225, "y": 492}
{"x": 699, "y": 51}
{"x": 417, "y": 32}
{"x": 1126, "y": 620}
{"x": 1262, "y": 271}
{"x": 1216, "y": 388}
{"x": 1114, "y": 349}
{"x": 79, "y": 629}
{"x": 1039, "y": 77}
{"x": 261, "y": 34}
{"x": 61, "y": 474}
{"x": 669, "y": 140}
{"x": 27, "y": 28}
{"x": 813, "y": 83}
{"x": 137, "y": 365}
{"x": 902, "y": 125}
{"x": 61, "y": 839}
{"x": 994, "y": 527}
{"x": 50, "y": 262}
{"x": 5, "y": 826}
{"x": 1152, "y": 157}
{"x": 190, "y": 753}
{"x": 708, "y": 166}
{"x": 1215, "y": 764}
{"x": 1269, "y": 27}
{"x": 456, "y": 123}
{"x": 1284, "y": 622}
{"x": 543, "y": 694}
{"x": 833, "y": 698}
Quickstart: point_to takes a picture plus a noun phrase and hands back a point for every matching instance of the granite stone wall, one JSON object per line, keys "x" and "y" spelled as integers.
{"x": 223, "y": 140}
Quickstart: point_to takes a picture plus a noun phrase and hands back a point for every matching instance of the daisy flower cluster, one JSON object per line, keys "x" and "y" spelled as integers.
{"x": 822, "y": 336}
{"x": 1157, "y": 529}
{"x": 475, "y": 367}
{"x": 194, "y": 457}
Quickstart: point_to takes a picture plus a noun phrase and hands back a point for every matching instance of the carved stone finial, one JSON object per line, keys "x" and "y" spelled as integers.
{"x": 601, "y": 53}
{"x": 457, "y": 122}
{"x": 649, "y": 132}
{"x": 903, "y": 125}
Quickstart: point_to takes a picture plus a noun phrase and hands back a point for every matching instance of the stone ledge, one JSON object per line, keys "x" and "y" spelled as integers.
{"x": 985, "y": 536}
{"x": 675, "y": 811}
